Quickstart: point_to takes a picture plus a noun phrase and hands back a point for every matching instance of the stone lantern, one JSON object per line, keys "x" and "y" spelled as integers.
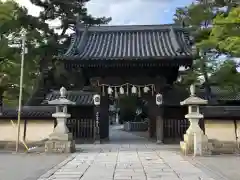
{"x": 61, "y": 140}
{"x": 195, "y": 141}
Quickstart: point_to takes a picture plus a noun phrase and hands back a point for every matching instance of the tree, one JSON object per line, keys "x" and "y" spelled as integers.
{"x": 227, "y": 77}
{"x": 225, "y": 33}
{"x": 42, "y": 41}
{"x": 200, "y": 18}
{"x": 13, "y": 19}
{"x": 68, "y": 13}
{"x": 197, "y": 17}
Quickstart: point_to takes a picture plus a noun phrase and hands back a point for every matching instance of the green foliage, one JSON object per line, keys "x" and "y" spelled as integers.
{"x": 227, "y": 76}
{"x": 42, "y": 41}
{"x": 213, "y": 28}
{"x": 225, "y": 33}
{"x": 127, "y": 105}
{"x": 67, "y": 13}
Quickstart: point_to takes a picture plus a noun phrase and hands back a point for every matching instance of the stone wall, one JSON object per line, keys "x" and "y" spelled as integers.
{"x": 224, "y": 134}
{"x": 37, "y": 130}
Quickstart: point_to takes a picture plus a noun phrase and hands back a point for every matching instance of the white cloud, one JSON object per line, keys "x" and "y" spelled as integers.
{"x": 129, "y": 11}
{"x": 32, "y": 9}
{"x": 121, "y": 11}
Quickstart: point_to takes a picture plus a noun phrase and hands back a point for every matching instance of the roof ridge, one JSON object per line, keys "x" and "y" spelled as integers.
{"x": 72, "y": 91}
{"x": 107, "y": 28}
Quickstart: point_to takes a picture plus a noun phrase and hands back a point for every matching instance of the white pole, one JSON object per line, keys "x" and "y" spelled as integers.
{"x": 20, "y": 91}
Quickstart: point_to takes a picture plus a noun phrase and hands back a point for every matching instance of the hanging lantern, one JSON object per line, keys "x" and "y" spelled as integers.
{"x": 146, "y": 89}
{"x": 110, "y": 91}
{"x": 121, "y": 90}
{"x": 134, "y": 90}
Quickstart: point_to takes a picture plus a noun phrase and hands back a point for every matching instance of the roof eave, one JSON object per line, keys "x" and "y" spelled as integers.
{"x": 179, "y": 60}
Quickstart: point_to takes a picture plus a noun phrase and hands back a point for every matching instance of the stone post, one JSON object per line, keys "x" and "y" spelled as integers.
{"x": 159, "y": 129}
{"x": 195, "y": 141}
{"x": 61, "y": 140}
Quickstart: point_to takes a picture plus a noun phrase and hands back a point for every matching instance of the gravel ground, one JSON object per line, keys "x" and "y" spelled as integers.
{"x": 27, "y": 166}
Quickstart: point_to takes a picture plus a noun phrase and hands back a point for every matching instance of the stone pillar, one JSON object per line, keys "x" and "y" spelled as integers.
{"x": 195, "y": 142}
{"x": 159, "y": 126}
{"x": 60, "y": 141}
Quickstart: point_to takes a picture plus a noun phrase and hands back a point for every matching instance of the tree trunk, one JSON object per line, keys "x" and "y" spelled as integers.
{"x": 206, "y": 78}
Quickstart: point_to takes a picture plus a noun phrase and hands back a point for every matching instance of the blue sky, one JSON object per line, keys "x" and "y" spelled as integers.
{"x": 128, "y": 11}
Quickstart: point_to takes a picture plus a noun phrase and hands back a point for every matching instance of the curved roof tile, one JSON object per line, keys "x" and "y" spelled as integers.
{"x": 129, "y": 42}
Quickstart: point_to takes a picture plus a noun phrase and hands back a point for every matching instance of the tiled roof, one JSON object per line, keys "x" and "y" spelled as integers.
{"x": 129, "y": 43}
{"x": 221, "y": 111}
{"x": 29, "y": 111}
{"x": 79, "y": 97}
{"x": 221, "y": 94}
{"x": 174, "y": 95}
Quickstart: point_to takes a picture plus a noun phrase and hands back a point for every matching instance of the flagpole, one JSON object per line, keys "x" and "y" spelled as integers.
{"x": 20, "y": 90}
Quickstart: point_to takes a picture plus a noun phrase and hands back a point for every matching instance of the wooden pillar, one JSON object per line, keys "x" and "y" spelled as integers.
{"x": 102, "y": 109}
{"x": 152, "y": 117}
{"x": 96, "y": 124}
{"x": 160, "y": 84}
{"x": 1, "y": 103}
{"x": 104, "y": 118}
{"x": 25, "y": 129}
{"x": 159, "y": 125}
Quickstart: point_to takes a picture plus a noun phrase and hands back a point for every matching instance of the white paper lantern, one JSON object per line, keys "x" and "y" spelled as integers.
{"x": 134, "y": 90}
{"x": 159, "y": 99}
{"x": 121, "y": 90}
{"x": 146, "y": 89}
{"x": 110, "y": 91}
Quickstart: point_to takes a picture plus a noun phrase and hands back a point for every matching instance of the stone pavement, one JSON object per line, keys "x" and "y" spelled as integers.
{"x": 129, "y": 156}
{"x": 118, "y": 136}
{"x": 27, "y": 166}
{"x": 225, "y": 166}
{"x": 125, "y": 162}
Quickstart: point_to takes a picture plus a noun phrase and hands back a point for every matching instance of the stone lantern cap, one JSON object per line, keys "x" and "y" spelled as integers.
{"x": 62, "y": 99}
{"x": 193, "y": 99}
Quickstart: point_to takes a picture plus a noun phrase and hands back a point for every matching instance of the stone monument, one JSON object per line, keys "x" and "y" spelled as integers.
{"x": 61, "y": 141}
{"x": 195, "y": 141}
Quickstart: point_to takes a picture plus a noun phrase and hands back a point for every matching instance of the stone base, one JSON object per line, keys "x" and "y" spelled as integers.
{"x": 159, "y": 142}
{"x": 97, "y": 142}
{"x": 60, "y": 137}
{"x": 60, "y": 146}
{"x": 224, "y": 147}
{"x": 187, "y": 146}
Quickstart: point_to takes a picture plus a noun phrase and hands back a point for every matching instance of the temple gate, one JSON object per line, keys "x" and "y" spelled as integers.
{"x": 124, "y": 60}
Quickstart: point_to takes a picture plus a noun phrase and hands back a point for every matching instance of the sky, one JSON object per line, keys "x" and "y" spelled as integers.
{"x": 128, "y": 12}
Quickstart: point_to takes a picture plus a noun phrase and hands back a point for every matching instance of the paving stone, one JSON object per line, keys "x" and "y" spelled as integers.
{"x": 128, "y": 162}
{"x": 56, "y": 176}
